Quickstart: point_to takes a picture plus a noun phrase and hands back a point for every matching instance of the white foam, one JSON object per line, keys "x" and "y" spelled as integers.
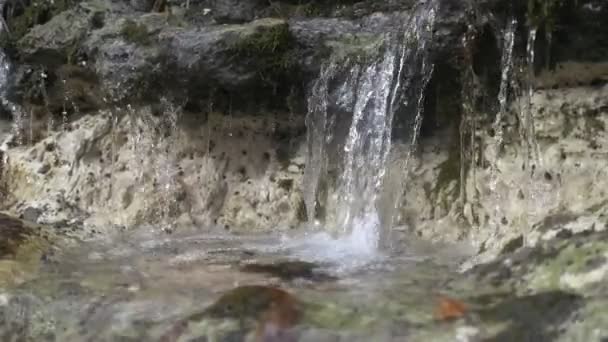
{"x": 347, "y": 252}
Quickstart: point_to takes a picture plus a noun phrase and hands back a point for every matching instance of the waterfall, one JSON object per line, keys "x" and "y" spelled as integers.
{"x": 367, "y": 91}
{"x": 532, "y": 146}
{"x": 515, "y": 97}
{"x": 5, "y": 69}
{"x": 19, "y": 120}
{"x": 317, "y": 138}
{"x": 503, "y": 101}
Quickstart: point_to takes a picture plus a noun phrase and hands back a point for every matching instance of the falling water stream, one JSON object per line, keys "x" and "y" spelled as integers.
{"x": 367, "y": 91}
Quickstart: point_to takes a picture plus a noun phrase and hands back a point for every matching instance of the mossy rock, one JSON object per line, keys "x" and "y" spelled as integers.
{"x": 578, "y": 264}
{"x": 135, "y": 33}
{"x": 545, "y": 13}
{"x": 57, "y": 40}
{"x": 36, "y": 12}
{"x": 360, "y": 46}
{"x": 22, "y": 246}
{"x": 271, "y": 48}
{"x": 534, "y": 317}
{"x": 238, "y": 311}
{"x": 288, "y": 270}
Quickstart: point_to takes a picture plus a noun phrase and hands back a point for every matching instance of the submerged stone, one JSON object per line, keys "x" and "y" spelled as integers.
{"x": 536, "y": 317}
{"x": 262, "y": 312}
{"x": 289, "y": 270}
{"x": 254, "y": 301}
{"x": 22, "y": 247}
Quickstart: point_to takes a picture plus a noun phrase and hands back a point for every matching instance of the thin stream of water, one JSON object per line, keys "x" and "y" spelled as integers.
{"x": 529, "y": 122}
{"x": 503, "y": 97}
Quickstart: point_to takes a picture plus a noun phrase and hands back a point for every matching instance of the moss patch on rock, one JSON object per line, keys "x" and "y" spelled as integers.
{"x": 543, "y": 12}
{"x": 135, "y": 33}
{"x": 36, "y": 12}
{"x": 575, "y": 260}
{"x": 21, "y": 248}
{"x": 271, "y": 48}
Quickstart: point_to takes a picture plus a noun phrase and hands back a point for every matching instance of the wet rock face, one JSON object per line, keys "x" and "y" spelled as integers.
{"x": 244, "y": 65}
{"x": 234, "y": 11}
{"x": 527, "y": 205}
{"x": 224, "y": 173}
{"x": 241, "y": 47}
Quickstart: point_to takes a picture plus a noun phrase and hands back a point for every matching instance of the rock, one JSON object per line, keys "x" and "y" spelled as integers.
{"x": 22, "y": 246}
{"x": 235, "y": 11}
{"x": 123, "y": 55}
{"x": 142, "y": 5}
{"x": 513, "y": 245}
{"x": 206, "y": 190}
{"x": 58, "y": 40}
{"x": 288, "y": 270}
{"x": 188, "y": 62}
{"x": 254, "y": 302}
{"x": 268, "y": 313}
{"x": 574, "y": 265}
{"x": 31, "y": 214}
{"x": 44, "y": 169}
{"x": 229, "y": 54}
{"x": 135, "y": 55}
{"x": 530, "y": 315}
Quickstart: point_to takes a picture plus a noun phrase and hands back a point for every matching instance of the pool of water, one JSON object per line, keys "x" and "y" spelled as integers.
{"x": 147, "y": 286}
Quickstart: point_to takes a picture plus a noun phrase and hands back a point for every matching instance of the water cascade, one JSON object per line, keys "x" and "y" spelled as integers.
{"x": 19, "y": 121}
{"x": 367, "y": 90}
{"x": 152, "y": 135}
{"x": 531, "y": 145}
{"x": 503, "y": 101}
{"x": 468, "y": 125}
{"x": 515, "y": 96}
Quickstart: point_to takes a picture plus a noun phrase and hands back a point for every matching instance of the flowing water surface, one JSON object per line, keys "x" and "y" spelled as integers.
{"x": 141, "y": 285}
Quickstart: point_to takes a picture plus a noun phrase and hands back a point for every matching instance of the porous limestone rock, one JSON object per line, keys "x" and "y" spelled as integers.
{"x": 534, "y": 197}
{"x": 108, "y": 170}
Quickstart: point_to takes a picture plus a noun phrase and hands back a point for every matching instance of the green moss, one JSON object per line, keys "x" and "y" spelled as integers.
{"x": 249, "y": 302}
{"x": 271, "y": 48}
{"x": 361, "y": 47}
{"x": 334, "y": 316}
{"x": 284, "y": 10}
{"x": 544, "y": 13}
{"x": 135, "y": 33}
{"x": 21, "y": 248}
{"x": 315, "y": 8}
{"x": 571, "y": 259}
{"x": 37, "y": 12}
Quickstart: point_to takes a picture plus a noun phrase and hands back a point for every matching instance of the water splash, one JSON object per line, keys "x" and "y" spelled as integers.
{"x": 367, "y": 90}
